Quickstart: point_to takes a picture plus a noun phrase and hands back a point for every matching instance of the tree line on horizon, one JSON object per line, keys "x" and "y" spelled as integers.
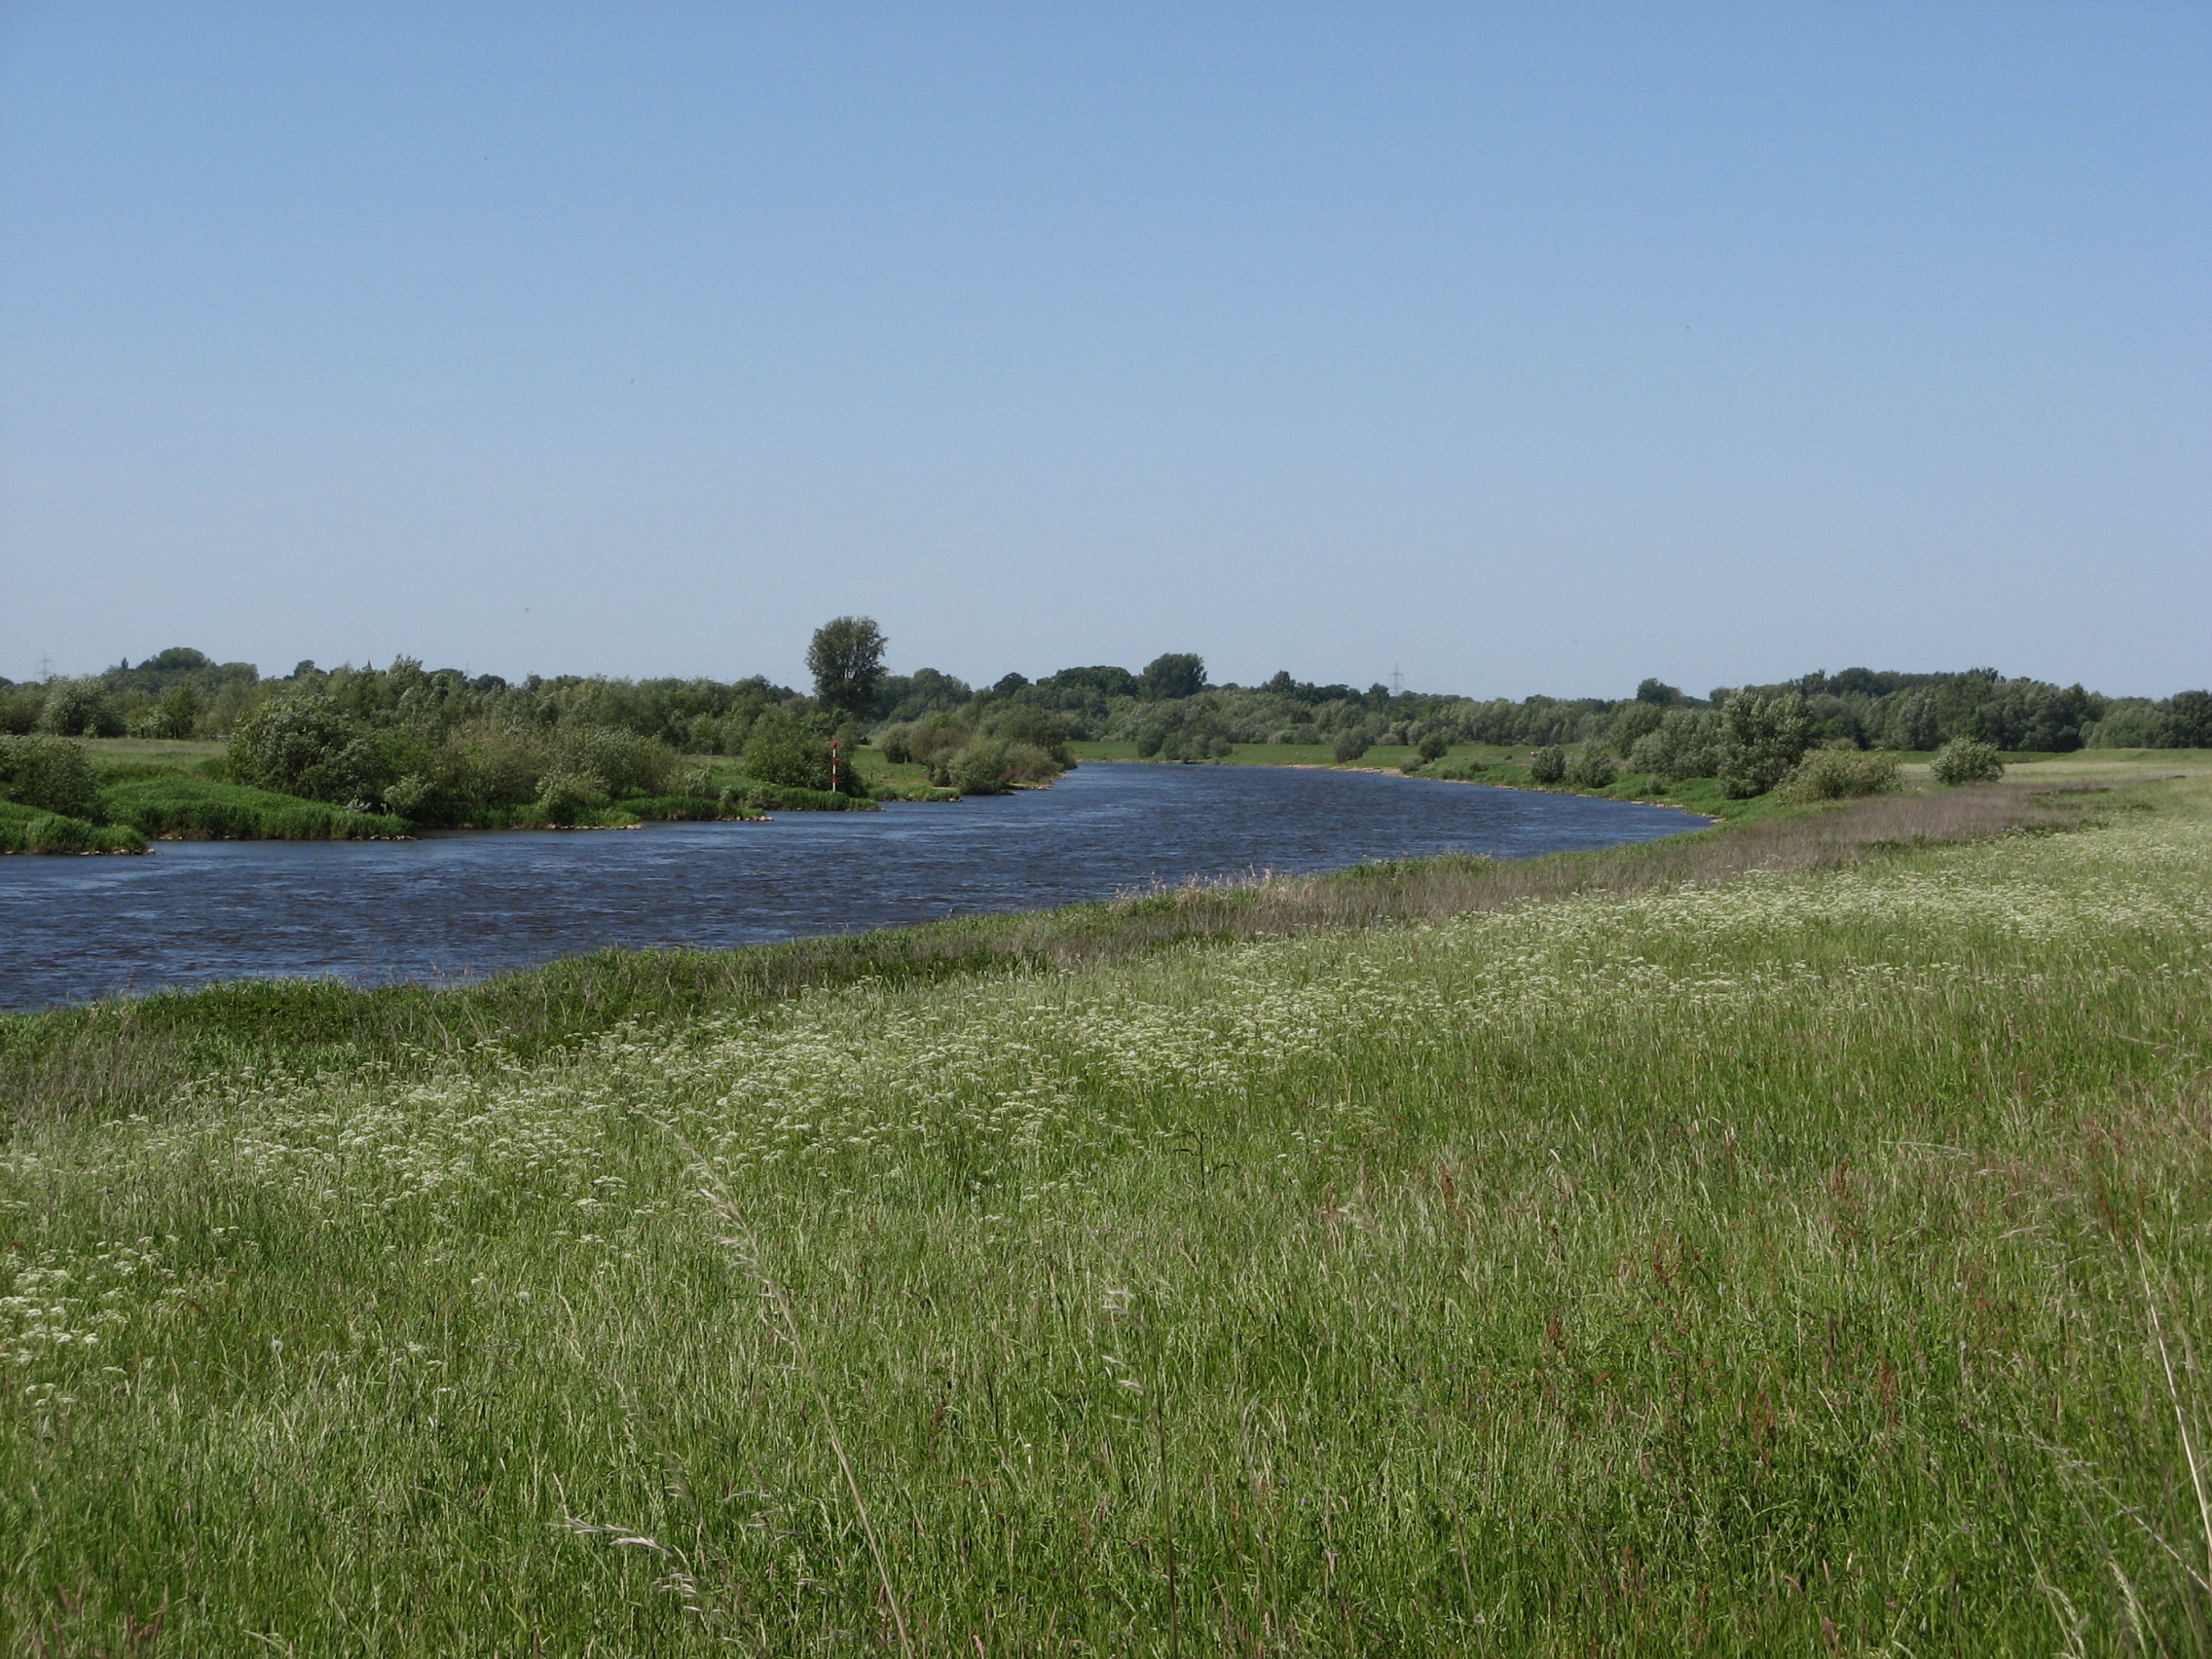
{"x": 1168, "y": 708}
{"x": 438, "y": 747}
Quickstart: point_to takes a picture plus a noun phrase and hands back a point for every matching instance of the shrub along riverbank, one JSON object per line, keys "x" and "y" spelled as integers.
{"x": 1624, "y": 1252}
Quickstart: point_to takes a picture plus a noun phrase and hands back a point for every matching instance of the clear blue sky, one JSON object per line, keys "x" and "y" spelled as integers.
{"x": 1534, "y": 347}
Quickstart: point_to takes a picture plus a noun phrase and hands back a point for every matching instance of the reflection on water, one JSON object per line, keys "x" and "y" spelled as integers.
{"x": 456, "y": 907}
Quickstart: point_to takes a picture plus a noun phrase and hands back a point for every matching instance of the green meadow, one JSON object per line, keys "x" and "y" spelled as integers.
{"x": 1791, "y": 1237}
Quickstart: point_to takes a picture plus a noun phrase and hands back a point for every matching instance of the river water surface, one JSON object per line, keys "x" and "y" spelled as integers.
{"x": 450, "y": 908}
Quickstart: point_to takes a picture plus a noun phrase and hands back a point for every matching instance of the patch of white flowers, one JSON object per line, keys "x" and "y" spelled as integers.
{"x": 50, "y": 1307}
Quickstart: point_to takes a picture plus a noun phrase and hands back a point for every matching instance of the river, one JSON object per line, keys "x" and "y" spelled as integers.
{"x": 450, "y": 908}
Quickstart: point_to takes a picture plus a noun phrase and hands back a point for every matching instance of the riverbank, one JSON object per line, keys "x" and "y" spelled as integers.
{"x": 1558, "y": 1254}
{"x": 125, "y": 1056}
{"x": 1508, "y": 769}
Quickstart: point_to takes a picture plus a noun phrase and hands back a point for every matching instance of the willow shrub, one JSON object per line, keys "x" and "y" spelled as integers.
{"x": 1966, "y": 760}
{"x": 1838, "y": 774}
{"x": 50, "y": 773}
{"x": 1592, "y": 768}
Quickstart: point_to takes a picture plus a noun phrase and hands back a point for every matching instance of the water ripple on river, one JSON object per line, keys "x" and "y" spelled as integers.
{"x": 453, "y": 907}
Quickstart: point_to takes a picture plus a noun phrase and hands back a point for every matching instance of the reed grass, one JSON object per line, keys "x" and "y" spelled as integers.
{"x": 177, "y": 806}
{"x": 1787, "y": 1240}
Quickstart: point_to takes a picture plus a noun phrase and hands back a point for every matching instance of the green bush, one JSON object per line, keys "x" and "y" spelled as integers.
{"x": 20, "y": 709}
{"x": 1350, "y": 746}
{"x": 1684, "y": 744}
{"x": 1966, "y": 760}
{"x": 304, "y": 745}
{"x": 783, "y": 752}
{"x": 1592, "y": 768}
{"x": 566, "y": 798}
{"x": 896, "y": 743}
{"x": 1762, "y": 738}
{"x": 1548, "y": 765}
{"x": 1039, "y": 728}
{"x": 79, "y": 708}
{"x": 178, "y": 714}
{"x": 2188, "y": 720}
{"x": 51, "y": 774}
{"x": 621, "y": 761}
{"x": 1838, "y": 774}
{"x": 1434, "y": 744}
{"x": 1634, "y": 723}
{"x": 993, "y": 765}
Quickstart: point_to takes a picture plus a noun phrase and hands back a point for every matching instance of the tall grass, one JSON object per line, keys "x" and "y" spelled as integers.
{"x": 133, "y": 1056}
{"x": 1807, "y": 1260}
{"x": 176, "y": 806}
{"x": 33, "y": 829}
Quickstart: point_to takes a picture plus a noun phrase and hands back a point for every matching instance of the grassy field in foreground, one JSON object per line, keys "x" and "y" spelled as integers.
{"x": 1782, "y": 1262}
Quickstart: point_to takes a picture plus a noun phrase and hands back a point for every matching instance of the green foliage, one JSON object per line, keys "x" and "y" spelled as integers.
{"x": 1027, "y": 723}
{"x": 1350, "y": 746}
{"x": 1838, "y": 774}
{"x": 697, "y": 807}
{"x": 31, "y": 829}
{"x": 993, "y": 765}
{"x": 772, "y": 798}
{"x": 1548, "y": 765}
{"x": 2130, "y": 722}
{"x": 623, "y": 761}
{"x": 409, "y": 705}
{"x": 2187, "y": 721}
{"x": 846, "y": 659}
{"x": 1434, "y": 744}
{"x": 1638, "y": 721}
{"x": 1172, "y": 675}
{"x": 177, "y": 713}
{"x": 1592, "y": 768}
{"x": 78, "y": 708}
{"x": 1966, "y": 760}
{"x": 925, "y": 691}
{"x": 304, "y": 745}
{"x": 1762, "y": 738}
{"x": 20, "y": 709}
{"x": 177, "y": 806}
{"x": 1685, "y": 743}
{"x": 780, "y": 750}
{"x": 566, "y": 798}
{"x": 50, "y": 773}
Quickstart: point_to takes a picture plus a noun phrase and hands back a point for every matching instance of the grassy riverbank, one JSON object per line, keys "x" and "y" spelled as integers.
{"x": 1623, "y": 1252}
{"x": 178, "y": 806}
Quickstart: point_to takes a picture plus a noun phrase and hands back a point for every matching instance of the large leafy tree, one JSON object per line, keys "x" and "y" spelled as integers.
{"x": 2189, "y": 720}
{"x": 1176, "y": 673}
{"x": 846, "y": 660}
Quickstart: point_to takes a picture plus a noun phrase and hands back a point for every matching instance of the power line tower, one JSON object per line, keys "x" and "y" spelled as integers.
{"x": 46, "y": 668}
{"x": 1398, "y": 682}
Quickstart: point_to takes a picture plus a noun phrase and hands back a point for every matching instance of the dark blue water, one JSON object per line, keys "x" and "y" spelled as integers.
{"x": 456, "y": 907}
